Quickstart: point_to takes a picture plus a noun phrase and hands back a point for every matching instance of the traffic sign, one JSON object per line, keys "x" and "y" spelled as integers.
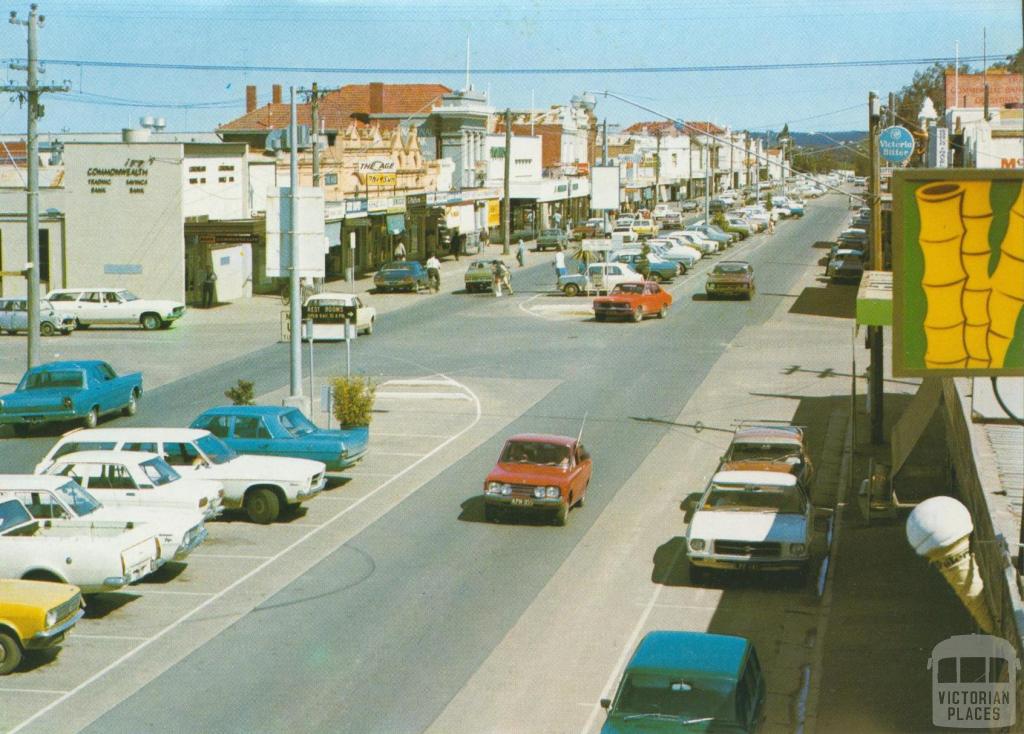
{"x": 895, "y": 144}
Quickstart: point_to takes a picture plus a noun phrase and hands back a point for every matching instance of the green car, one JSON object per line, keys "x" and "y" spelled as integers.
{"x": 555, "y": 238}
{"x": 479, "y": 276}
{"x": 688, "y": 682}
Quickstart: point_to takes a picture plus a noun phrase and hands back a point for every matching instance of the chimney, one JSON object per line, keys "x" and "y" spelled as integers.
{"x": 250, "y": 98}
{"x": 276, "y": 94}
{"x": 376, "y": 97}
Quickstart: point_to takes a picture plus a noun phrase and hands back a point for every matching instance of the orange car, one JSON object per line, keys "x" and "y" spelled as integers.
{"x": 538, "y": 473}
{"x": 633, "y": 301}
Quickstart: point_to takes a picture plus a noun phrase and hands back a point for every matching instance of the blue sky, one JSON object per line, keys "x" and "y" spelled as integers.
{"x": 431, "y": 34}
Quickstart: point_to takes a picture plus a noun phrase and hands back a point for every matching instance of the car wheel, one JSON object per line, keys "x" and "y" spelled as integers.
{"x": 10, "y": 653}
{"x": 571, "y": 289}
{"x": 150, "y": 321}
{"x": 661, "y": 312}
{"x": 20, "y": 429}
{"x": 47, "y": 329}
{"x": 562, "y": 515}
{"x": 91, "y": 418}
{"x": 600, "y": 316}
{"x": 133, "y": 404}
{"x": 262, "y": 505}
{"x": 638, "y": 314}
{"x": 369, "y": 329}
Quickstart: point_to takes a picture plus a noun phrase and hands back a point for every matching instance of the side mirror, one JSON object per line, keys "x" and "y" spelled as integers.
{"x": 606, "y": 703}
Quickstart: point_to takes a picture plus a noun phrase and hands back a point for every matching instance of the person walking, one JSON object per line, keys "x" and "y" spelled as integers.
{"x": 559, "y": 266}
{"x": 505, "y": 276}
{"x": 496, "y": 279}
{"x": 209, "y": 284}
{"x": 771, "y": 224}
{"x": 521, "y": 254}
{"x": 400, "y": 250}
{"x": 434, "y": 273}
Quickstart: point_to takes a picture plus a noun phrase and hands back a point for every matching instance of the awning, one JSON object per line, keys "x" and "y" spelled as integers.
{"x": 874, "y": 298}
{"x": 911, "y": 425}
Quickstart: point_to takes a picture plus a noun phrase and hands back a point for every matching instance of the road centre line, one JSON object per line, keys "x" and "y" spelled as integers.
{"x": 245, "y": 577}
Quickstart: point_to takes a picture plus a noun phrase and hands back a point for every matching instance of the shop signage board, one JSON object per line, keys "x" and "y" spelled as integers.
{"x": 381, "y": 179}
{"x": 895, "y": 144}
{"x": 309, "y": 232}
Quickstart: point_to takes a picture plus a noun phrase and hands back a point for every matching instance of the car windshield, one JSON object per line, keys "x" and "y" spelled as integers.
{"x": 541, "y": 453}
{"x": 159, "y": 472}
{"x": 762, "y": 451}
{"x": 730, "y": 268}
{"x": 77, "y": 498}
{"x": 663, "y": 696}
{"x": 628, "y": 288}
{"x": 216, "y": 450}
{"x": 297, "y": 424}
{"x": 128, "y": 296}
{"x": 51, "y": 379}
{"x": 395, "y": 267}
{"x": 757, "y": 498}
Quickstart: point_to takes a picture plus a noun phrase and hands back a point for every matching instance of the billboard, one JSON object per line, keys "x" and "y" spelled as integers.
{"x": 309, "y": 232}
{"x": 958, "y": 272}
{"x": 604, "y": 187}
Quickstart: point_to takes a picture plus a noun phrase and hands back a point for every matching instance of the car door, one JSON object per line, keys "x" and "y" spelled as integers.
{"x": 250, "y": 435}
{"x": 595, "y": 276}
{"x": 362, "y": 314}
{"x": 116, "y": 309}
{"x": 89, "y": 307}
{"x": 102, "y": 388}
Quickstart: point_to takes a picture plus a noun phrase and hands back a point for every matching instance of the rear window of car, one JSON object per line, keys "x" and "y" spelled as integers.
{"x": 63, "y": 296}
{"x": 52, "y": 378}
{"x": 72, "y": 446}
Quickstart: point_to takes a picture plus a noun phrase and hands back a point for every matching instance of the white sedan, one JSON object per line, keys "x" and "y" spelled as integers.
{"x": 329, "y": 306}
{"x": 90, "y": 306}
{"x": 139, "y": 478}
{"x": 671, "y": 250}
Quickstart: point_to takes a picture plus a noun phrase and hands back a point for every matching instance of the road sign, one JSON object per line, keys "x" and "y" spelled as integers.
{"x": 895, "y": 144}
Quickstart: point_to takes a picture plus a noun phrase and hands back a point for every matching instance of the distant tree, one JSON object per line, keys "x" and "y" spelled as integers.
{"x": 1014, "y": 62}
{"x": 929, "y": 83}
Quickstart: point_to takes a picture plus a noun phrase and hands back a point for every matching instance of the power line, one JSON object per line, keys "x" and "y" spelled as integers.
{"x": 546, "y": 71}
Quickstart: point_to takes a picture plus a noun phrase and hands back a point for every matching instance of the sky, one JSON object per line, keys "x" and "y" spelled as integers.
{"x": 336, "y": 43}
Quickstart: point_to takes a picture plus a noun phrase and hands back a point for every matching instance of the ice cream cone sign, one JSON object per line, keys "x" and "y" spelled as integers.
{"x": 939, "y": 529}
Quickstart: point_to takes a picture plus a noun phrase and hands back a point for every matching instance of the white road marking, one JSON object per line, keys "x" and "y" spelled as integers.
{"x": 85, "y": 636}
{"x": 228, "y": 556}
{"x": 410, "y": 435}
{"x": 418, "y": 382}
{"x": 423, "y": 395}
{"x": 396, "y": 453}
{"x": 241, "y": 579}
{"x": 43, "y": 691}
{"x": 164, "y": 592}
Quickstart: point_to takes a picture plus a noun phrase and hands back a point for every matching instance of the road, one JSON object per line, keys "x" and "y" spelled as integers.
{"x": 393, "y": 629}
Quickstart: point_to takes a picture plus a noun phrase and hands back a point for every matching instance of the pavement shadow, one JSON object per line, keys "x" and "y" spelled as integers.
{"x": 98, "y": 606}
{"x": 823, "y": 245}
{"x": 166, "y": 573}
{"x": 38, "y": 658}
{"x": 473, "y": 509}
{"x": 836, "y": 301}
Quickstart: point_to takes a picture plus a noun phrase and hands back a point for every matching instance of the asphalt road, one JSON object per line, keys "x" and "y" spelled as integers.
{"x": 385, "y": 631}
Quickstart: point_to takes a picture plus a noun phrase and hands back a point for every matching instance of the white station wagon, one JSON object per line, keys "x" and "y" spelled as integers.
{"x": 262, "y": 485}
{"x": 91, "y": 306}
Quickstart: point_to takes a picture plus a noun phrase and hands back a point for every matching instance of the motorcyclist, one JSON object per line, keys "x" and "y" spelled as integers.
{"x": 434, "y": 272}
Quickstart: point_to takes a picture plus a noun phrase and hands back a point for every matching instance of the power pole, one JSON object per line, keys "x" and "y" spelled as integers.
{"x": 604, "y": 162}
{"x": 657, "y": 166}
{"x": 707, "y": 183}
{"x": 314, "y": 111}
{"x": 506, "y": 223}
{"x": 295, "y": 307}
{"x": 875, "y": 386}
{"x": 30, "y": 93}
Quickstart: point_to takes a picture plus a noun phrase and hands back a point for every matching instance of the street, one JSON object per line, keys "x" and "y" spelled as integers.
{"x": 391, "y": 606}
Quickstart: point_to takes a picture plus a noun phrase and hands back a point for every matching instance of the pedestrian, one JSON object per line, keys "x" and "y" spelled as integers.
{"x": 485, "y": 238}
{"x": 209, "y": 283}
{"x": 521, "y": 254}
{"x": 771, "y": 224}
{"x": 434, "y": 272}
{"x": 496, "y": 279}
{"x": 400, "y": 250}
{"x": 559, "y": 267}
{"x": 505, "y": 276}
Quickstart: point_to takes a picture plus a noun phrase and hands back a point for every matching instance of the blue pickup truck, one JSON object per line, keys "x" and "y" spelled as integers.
{"x": 64, "y": 391}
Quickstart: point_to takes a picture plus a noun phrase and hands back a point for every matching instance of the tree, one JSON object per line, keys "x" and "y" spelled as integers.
{"x": 929, "y": 83}
{"x": 1013, "y": 63}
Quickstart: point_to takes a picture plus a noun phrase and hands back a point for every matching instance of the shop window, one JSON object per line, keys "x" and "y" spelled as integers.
{"x": 197, "y": 169}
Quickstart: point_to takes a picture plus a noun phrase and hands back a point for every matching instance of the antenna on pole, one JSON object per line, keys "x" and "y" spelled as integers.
{"x": 579, "y": 436}
{"x": 467, "y": 62}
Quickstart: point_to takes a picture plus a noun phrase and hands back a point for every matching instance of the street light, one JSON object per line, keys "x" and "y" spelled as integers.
{"x": 939, "y": 529}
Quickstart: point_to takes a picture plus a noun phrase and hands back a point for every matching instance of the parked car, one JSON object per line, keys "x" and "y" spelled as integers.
{"x": 63, "y": 391}
{"x": 671, "y": 220}
{"x": 90, "y": 306}
{"x": 741, "y": 224}
{"x": 688, "y": 682}
{"x": 552, "y": 238}
{"x": 785, "y": 446}
{"x": 751, "y": 520}
{"x": 271, "y": 430}
{"x": 61, "y": 498}
{"x": 139, "y": 478}
{"x": 94, "y": 556}
{"x": 685, "y": 256}
{"x": 796, "y": 207}
{"x": 646, "y": 227}
{"x": 853, "y": 237}
{"x": 35, "y": 615}
{"x": 846, "y": 266}
{"x": 695, "y": 239}
{"x": 598, "y": 277}
{"x": 689, "y": 205}
{"x": 14, "y": 318}
{"x": 592, "y": 228}
{"x": 400, "y": 275}
{"x": 538, "y": 473}
{"x": 334, "y": 304}
{"x": 712, "y": 232}
{"x": 660, "y": 211}
{"x": 633, "y": 301}
{"x": 625, "y": 220}
{"x": 479, "y": 276}
{"x": 651, "y": 266}
{"x": 730, "y": 278}
{"x": 264, "y": 486}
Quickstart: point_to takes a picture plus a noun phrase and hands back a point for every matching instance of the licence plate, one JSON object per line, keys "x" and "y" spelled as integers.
{"x": 523, "y": 501}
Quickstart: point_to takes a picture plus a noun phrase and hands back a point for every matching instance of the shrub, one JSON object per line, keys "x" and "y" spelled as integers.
{"x": 353, "y": 400}
{"x": 242, "y": 394}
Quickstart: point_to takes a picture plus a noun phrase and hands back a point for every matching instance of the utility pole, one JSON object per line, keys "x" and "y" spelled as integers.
{"x": 604, "y": 162}
{"x": 875, "y": 386}
{"x": 295, "y": 307}
{"x": 506, "y": 223}
{"x": 746, "y": 163}
{"x": 707, "y": 182}
{"x": 30, "y": 93}
{"x": 657, "y": 166}
{"x": 314, "y": 111}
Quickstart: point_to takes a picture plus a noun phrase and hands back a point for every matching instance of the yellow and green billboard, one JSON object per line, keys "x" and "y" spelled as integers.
{"x": 958, "y": 272}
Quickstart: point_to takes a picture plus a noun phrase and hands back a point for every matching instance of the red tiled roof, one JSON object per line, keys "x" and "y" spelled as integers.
{"x": 650, "y": 128}
{"x": 338, "y": 107}
{"x": 705, "y": 127}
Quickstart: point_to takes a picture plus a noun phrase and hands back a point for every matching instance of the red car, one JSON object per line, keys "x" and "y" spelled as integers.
{"x": 633, "y": 301}
{"x": 538, "y": 473}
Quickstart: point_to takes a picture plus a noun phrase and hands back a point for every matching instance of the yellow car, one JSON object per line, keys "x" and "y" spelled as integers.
{"x": 34, "y": 615}
{"x": 645, "y": 227}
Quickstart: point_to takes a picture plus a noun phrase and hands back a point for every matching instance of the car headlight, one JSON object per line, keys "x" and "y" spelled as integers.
{"x": 494, "y": 487}
{"x": 697, "y": 545}
{"x": 51, "y": 618}
{"x": 538, "y": 492}
{"x": 552, "y": 492}
{"x": 797, "y": 549}
{"x": 506, "y": 489}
